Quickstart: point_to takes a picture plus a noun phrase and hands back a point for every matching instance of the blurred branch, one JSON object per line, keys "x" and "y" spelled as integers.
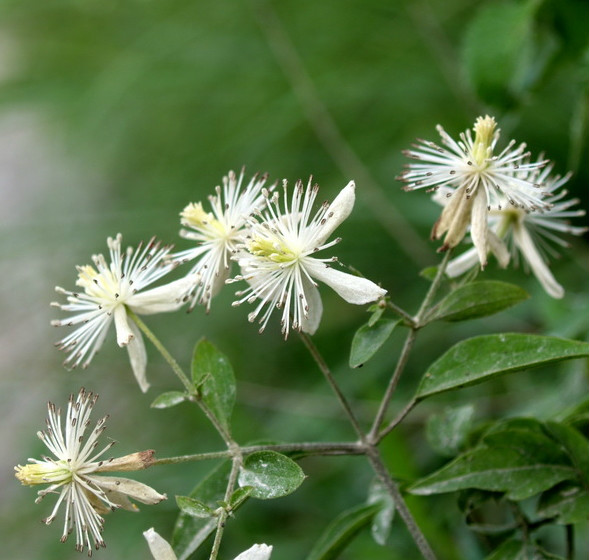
{"x": 328, "y": 133}
{"x": 435, "y": 39}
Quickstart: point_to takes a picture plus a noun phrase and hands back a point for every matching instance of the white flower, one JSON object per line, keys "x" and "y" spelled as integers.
{"x": 276, "y": 260}
{"x": 217, "y": 233}
{"x": 110, "y": 289}
{"x": 530, "y": 233}
{"x": 479, "y": 181}
{"x": 161, "y": 550}
{"x": 72, "y": 473}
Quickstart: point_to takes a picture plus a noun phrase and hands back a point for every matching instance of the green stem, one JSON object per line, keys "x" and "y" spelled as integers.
{"x": 417, "y": 322}
{"x": 330, "y": 379}
{"x": 195, "y": 397}
{"x": 305, "y": 448}
{"x": 224, "y": 511}
{"x": 371, "y": 451}
{"x": 383, "y": 475}
{"x": 162, "y": 350}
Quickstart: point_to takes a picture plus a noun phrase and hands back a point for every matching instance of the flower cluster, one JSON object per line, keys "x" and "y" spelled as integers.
{"x": 72, "y": 473}
{"x": 508, "y": 203}
{"x": 272, "y": 247}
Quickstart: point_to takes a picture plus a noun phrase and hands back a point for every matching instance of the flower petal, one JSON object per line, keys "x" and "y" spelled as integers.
{"x": 310, "y": 323}
{"x": 256, "y": 552}
{"x": 168, "y": 297}
{"x": 479, "y": 225}
{"x": 353, "y": 289}
{"x": 338, "y": 211}
{"x": 124, "y": 332}
{"x": 119, "y": 490}
{"x": 159, "y": 547}
{"x": 523, "y": 240}
{"x": 138, "y": 357}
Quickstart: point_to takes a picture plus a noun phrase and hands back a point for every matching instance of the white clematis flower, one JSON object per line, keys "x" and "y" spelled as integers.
{"x": 110, "y": 288}
{"x": 529, "y": 234}
{"x": 161, "y": 550}
{"x": 277, "y": 259}
{"x": 73, "y": 473}
{"x": 218, "y": 233}
{"x": 478, "y": 180}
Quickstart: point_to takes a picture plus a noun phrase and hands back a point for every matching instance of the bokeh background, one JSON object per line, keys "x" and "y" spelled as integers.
{"x": 115, "y": 115}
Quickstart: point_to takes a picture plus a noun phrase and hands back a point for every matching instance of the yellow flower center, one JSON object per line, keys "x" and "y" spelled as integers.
{"x": 44, "y": 473}
{"x": 107, "y": 284}
{"x": 484, "y": 129}
{"x": 194, "y": 216}
{"x": 275, "y": 250}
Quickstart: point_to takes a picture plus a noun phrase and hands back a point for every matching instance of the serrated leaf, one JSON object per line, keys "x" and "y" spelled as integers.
{"x": 368, "y": 339}
{"x": 190, "y": 532}
{"x": 342, "y": 530}
{"x": 496, "y": 42}
{"x": 383, "y": 520}
{"x": 169, "y": 399}
{"x": 194, "y": 508}
{"x": 568, "y": 502}
{"x": 447, "y": 431}
{"x": 477, "y": 299}
{"x": 270, "y": 474}
{"x": 481, "y": 358}
{"x": 214, "y": 380}
{"x": 520, "y": 463}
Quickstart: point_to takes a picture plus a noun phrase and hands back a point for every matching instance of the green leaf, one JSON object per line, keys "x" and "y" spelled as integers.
{"x": 270, "y": 474}
{"x": 429, "y": 273}
{"x": 521, "y": 463}
{"x": 575, "y": 445}
{"x": 171, "y": 398}
{"x": 447, "y": 431}
{"x": 377, "y": 310}
{"x": 496, "y": 45}
{"x": 194, "y": 508}
{"x": 509, "y": 550}
{"x": 368, "y": 339}
{"x": 239, "y": 497}
{"x": 514, "y": 549}
{"x": 382, "y": 521}
{"x": 342, "y": 530}
{"x": 214, "y": 380}
{"x": 477, "y": 299}
{"x": 190, "y": 532}
{"x": 568, "y": 502}
{"x": 481, "y": 358}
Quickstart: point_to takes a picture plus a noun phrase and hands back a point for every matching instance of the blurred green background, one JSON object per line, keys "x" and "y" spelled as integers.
{"x": 115, "y": 115}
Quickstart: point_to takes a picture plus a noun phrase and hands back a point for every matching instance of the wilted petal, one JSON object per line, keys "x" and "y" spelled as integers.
{"x": 159, "y": 547}
{"x": 353, "y": 289}
{"x": 256, "y": 552}
{"x": 119, "y": 490}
